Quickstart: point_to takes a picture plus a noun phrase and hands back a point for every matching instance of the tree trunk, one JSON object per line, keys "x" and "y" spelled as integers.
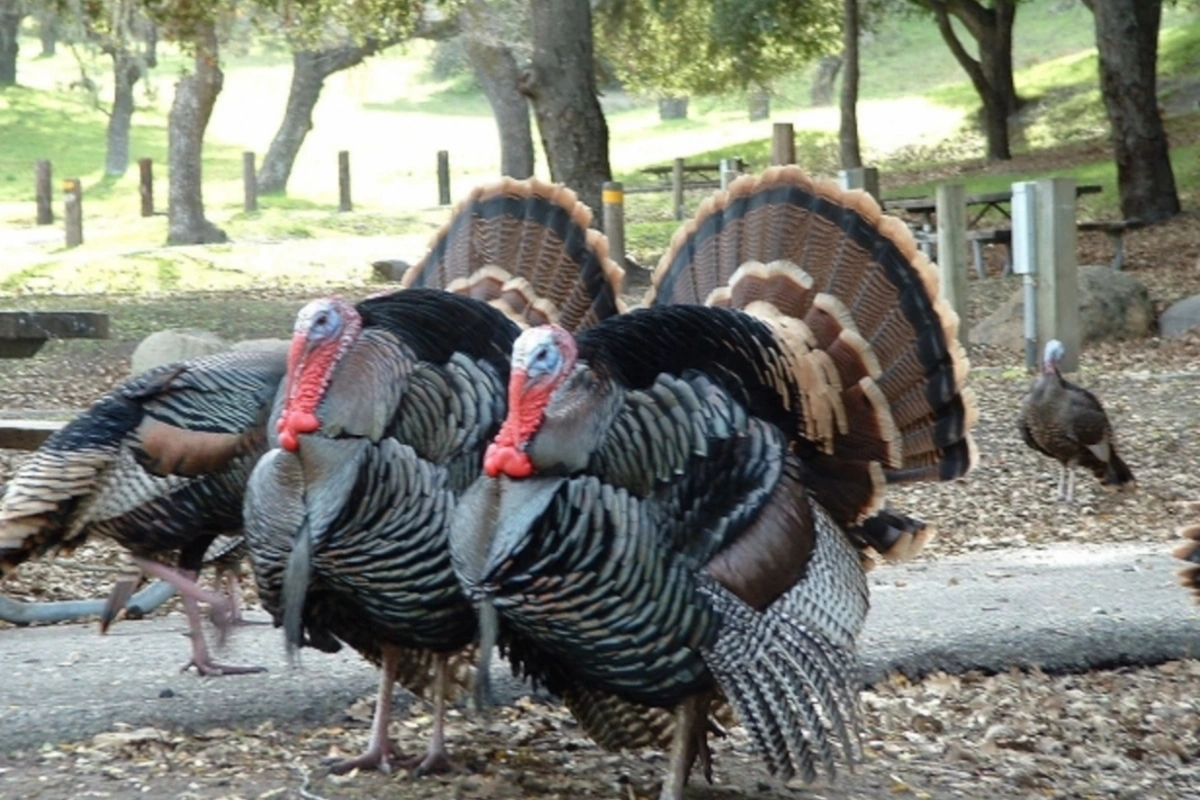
{"x": 561, "y": 82}
{"x": 992, "y": 73}
{"x": 11, "y": 14}
{"x": 126, "y": 72}
{"x": 672, "y": 108}
{"x": 195, "y": 95}
{"x": 495, "y": 68}
{"x": 1127, "y": 39}
{"x": 310, "y": 68}
{"x": 848, "y": 131}
{"x": 47, "y": 31}
{"x": 822, "y": 87}
{"x": 758, "y": 104}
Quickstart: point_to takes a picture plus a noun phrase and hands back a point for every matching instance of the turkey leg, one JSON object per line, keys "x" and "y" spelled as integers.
{"x": 689, "y": 742}
{"x": 435, "y": 758}
{"x": 192, "y": 594}
{"x": 379, "y": 750}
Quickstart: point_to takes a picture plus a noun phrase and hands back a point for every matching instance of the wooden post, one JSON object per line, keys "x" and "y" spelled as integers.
{"x": 250, "y": 182}
{"x": 952, "y": 250}
{"x": 443, "y": 169}
{"x": 344, "y": 203}
{"x": 783, "y": 144}
{"x": 73, "y": 211}
{"x": 1058, "y": 269}
{"x": 677, "y": 187}
{"x": 45, "y": 201}
{"x": 865, "y": 178}
{"x": 613, "y": 197}
{"x": 146, "y": 185}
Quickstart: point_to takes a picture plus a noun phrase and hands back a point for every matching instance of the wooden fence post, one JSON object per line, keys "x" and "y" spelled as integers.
{"x": 344, "y": 203}
{"x": 1058, "y": 269}
{"x": 250, "y": 182}
{"x": 443, "y": 170}
{"x": 73, "y": 211}
{"x": 45, "y": 201}
{"x": 677, "y": 187}
{"x": 613, "y": 197}
{"x": 952, "y": 250}
{"x": 783, "y": 144}
{"x": 146, "y": 185}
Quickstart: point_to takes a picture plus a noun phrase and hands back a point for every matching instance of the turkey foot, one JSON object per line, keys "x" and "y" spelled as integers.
{"x": 378, "y": 756}
{"x": 185, "y": 584}
{"x": 434, "y": 761}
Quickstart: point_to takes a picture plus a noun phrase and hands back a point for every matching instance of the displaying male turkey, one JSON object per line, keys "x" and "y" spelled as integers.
{"x": 1067, "y": 423}
{"x": 88, "y": 480}
{"x": 387, "y": 409}
{"x": 665, "y": 508}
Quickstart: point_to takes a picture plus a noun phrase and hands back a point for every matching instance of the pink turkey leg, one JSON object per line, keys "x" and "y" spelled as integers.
{"x": 192, "y": 594}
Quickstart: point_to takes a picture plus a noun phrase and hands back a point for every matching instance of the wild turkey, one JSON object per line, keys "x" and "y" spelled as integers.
{"x": 1067, "y": 423}
{"x": 387, "y": 409}
{"x": 88, "y": 478}
{"x": 1189, "y": 551}
{"x": 663, "y": 516}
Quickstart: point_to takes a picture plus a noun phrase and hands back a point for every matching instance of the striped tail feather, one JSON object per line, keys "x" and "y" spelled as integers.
{"x": 855, "y": 306}
{"x": 527, "y": 248}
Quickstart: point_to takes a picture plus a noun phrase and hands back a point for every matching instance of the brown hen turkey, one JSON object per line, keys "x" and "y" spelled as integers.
{"x": 1067, "y": 423}
{"x": 387, "y": 409}
{"x": 94, "y": 477}
{"x": 674, "y": 508}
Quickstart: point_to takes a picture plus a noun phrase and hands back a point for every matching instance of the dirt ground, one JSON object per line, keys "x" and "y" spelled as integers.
{"x": 1120, "y": 734}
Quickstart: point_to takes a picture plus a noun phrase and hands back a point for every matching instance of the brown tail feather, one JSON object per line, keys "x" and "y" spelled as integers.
{"x": 527, "y": 248}
{"x": 1189, "y": 551}
{"x": 855, "y": 304}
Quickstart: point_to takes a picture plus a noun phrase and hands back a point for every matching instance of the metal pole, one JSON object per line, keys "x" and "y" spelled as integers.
{"x": 73, "y": 211}
{"x": 1024, "y": 258}
{"x": 613, "y": 197}
{"x": 443, "y": 173}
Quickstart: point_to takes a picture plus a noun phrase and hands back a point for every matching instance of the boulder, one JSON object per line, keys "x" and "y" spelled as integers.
{"x": 262, "y": 344}
{"x": 1112, "y": 305}
{"x": 175, "y": 344}
{"x": 1180, "y": 317}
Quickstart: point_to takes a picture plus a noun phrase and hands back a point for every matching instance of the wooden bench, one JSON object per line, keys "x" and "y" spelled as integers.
{"x": 1116, "y": 234}
{"x": 1115, "y": 230}
{"x": 26, "y": 434}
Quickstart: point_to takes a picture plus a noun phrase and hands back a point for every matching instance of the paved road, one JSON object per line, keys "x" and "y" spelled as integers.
{"x": 1064, "y": 609}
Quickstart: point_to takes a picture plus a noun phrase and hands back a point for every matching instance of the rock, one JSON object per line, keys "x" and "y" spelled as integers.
{"x": 389, "y": 270}
{"x": 174, "y": 344}
{"x": 261, "y": 344}
{"x": 1112, "y": 305}
{"x": 1180, "y": 318}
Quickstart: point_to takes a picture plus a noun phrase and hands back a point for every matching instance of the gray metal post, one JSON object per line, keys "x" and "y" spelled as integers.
{"x": 73, "y": 211}
{"x": 1058, "y": 269}
{"x": 613, "y": 197}
{"x": 443, "y": 173}
{"x": 42, "y": 183}
{"x": 249, "y": 182}
{"x": 783, "y": 144}
{"x": 344, "y": 203}
{"x": 952, "y": 250}
{"x": 865, "y": 178}
{"x": 1024, "y": 258}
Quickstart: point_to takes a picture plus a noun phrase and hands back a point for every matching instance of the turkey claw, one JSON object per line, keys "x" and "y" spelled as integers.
{"x": 435, "y": 762}
{"x": 212, "y": 669}
{"x": 374, "y": 758}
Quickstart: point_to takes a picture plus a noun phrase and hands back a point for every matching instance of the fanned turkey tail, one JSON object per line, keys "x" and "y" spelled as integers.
{"x": 1189, "y": 551}
{"x": 873, "y": 349}
{"x": 527, "y": 248}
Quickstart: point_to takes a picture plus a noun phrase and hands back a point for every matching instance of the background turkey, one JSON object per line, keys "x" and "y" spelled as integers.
{"x": 1067, "y": 423}
{"x": 87, "y": 479}
{"x": 388, "y": 407}
{"x": 675, "y": 483}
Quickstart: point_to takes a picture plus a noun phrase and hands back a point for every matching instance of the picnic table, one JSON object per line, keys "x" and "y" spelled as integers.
{"x": 22, "y": 334}
{"x": 694, "y": 175}
{"x": 926, "y": 207}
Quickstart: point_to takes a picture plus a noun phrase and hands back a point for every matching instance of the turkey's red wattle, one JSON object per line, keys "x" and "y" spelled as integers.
{"x": 506, "y": 454}
{"x": 308, "y": 375}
